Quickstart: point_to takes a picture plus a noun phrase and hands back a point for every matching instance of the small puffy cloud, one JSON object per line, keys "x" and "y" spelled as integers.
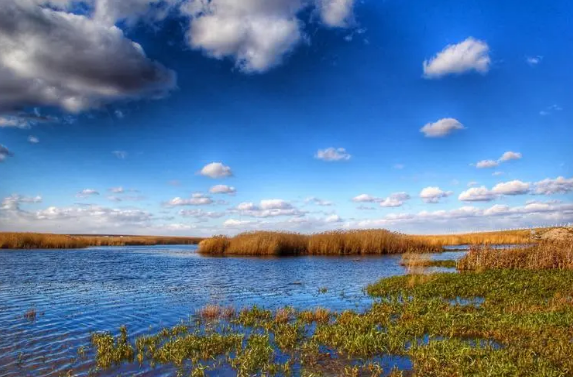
{"x": 216, "y": 170}
{"x": 200, "y": 214}
{"x": 33, "y": 139}
{"x": 233, "y": 223}
{"x": 222, "y": 189}
{"x": 550, "y": 110}
{"x": 117, "y": 190}
{"x": 86, "y": 193}
{"x": 365, "y": 198}
{"x": 122, "y": 155}
{"x": 70, "y": 61}
{"x": 442, "y": 127}
{"x": 469, "y": 55}
{"x": 509, "y": 155}
{"x": 486, "y": 164}
{"x": 559, "y": 185}
{"x": 515, "y": 187}
{"x": 268, "y": 208}
{"x": 395, "y": 200}
{"x": 333, "y": 219}
{"x": 333, "y": 154}
{"x": 5, "y": 153}
{"x": 472, "y": 183}
{"x": 196, "y": 199}
{"x": 534, "y": 60}
{"x": 336, "y": 13}
{"x": 434, "y": 194}
{"x": 497, "y": 173}
{"x": 477, "y": 194}
{"x": 318, "y": 202}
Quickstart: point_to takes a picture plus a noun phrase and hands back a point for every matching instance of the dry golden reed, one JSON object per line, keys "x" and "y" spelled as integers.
{"x": 509, "y": 237}
{"x": 542, "y": 256}
{"x": 376, "y": 241}
{"x": 62, "y": 241}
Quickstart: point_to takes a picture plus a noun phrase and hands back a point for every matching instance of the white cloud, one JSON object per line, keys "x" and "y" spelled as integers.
{"x": 122, "y": 155}
{"x": 33, "y": 139}
{"x": 5, "y": 153}
{"x": 509, "y": 155}
{"x": 486, "y": 164}
{"x": 469, "y": 55}
{"x": 54, "y": 58}
{"x": 131, "y": 11}
{"x": 497, "y": 173}
{"x": 442, "y": 127}
{"x": 216, "y": 170}
{"x": 86, "y": 193}
{"x": 336, "y": 13}
{"x": 268, "y": 208}
{"x": 333, "y": 154}
{"x": 477, "y": 194}
{"x": 394, "y": 200}
{"x": 12, "y": 203}
{"x": 117, "y": 190}
{"x": 196, "y": 199}
{"x": 333, "y": 219}
{"x": 470, "y": 218}
{"x": 365, "y": 198}
{"x": 550, "y": 110}
{"x": 200, "y": 214}
{"x": 433, "y": 194}
{"x": 472, "y": 183}
{"x": 559, "y": 185}
{"x": 515, "y": 187}
{"x": 222, "y": 189}
{"x": 318, "y": 202}
{"x": 256, "y": 34}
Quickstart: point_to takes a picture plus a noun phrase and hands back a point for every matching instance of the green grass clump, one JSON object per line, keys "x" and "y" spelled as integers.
{"x": 491, "y": 323}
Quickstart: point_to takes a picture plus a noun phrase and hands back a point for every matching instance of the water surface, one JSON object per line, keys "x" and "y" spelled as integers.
{"x": 75, "y": 292}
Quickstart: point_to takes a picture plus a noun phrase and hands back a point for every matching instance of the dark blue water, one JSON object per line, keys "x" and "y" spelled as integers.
{"x": 75, "y": 292}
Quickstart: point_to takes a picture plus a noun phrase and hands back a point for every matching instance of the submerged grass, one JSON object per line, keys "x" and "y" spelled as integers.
{"x": 62, "y": 241}
{"x": 378, "y": 241}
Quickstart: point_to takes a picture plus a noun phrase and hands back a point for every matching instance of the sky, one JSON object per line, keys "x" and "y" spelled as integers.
{"x": 202, "y": 117}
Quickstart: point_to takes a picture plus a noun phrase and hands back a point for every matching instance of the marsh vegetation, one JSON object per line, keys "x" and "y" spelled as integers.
{"x": 512, "y": 315}
{"x": 63, "y": 241}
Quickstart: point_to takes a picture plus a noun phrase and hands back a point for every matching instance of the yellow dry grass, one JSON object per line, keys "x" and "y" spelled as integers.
{"x": 512, "y": 237}
{"x": 543, "y": 256}
{"x": 62, "y": 241}
{"x": 376, "y": 241}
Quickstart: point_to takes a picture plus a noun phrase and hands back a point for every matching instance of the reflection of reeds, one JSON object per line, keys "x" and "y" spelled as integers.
{"x": 61, "y": 241}
{"x": 545, "y": 255}
{"x": 349, "y": 242}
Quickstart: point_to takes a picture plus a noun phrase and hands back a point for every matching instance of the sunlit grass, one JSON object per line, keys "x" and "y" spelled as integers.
{"x": 61, "y": 241}
{"x": 355, "y": 242}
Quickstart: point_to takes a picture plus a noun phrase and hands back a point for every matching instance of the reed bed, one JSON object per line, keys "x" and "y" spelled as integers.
{"x": 543, "y": 256}
{"x": 329, "y": 243}
{"x": 509, "y": 237}
{"x": 62, "y": 241}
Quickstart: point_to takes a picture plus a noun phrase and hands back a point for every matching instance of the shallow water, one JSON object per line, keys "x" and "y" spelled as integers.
{"x": 75, "y": 292}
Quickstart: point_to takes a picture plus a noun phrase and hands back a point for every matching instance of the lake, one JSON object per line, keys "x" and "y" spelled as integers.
{"x": 76, "y": 292}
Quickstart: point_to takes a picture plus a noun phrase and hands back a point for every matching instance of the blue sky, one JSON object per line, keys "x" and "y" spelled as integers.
{"x": 298, "y": 115}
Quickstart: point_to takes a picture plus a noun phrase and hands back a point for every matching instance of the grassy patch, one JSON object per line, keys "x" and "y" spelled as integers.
{"x": 522, "y": 325}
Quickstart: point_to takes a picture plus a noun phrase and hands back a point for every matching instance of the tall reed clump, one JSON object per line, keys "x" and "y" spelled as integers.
{"x": 330, "y": 243}
{"x": 543, "y": 256}
{"x": 62, "y": 241}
